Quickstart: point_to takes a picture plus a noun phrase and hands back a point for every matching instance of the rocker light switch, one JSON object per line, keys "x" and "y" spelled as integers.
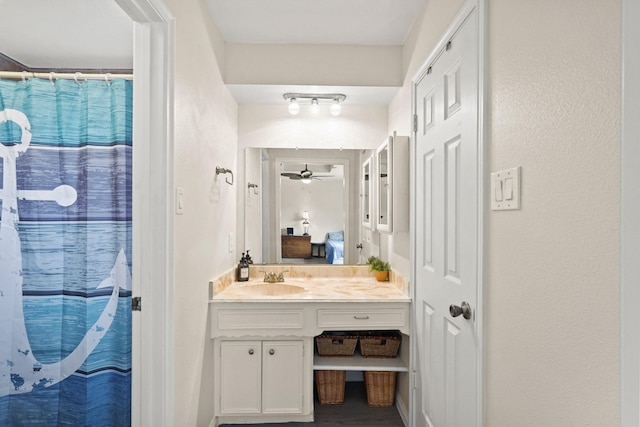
{"x": 505, "y": 189}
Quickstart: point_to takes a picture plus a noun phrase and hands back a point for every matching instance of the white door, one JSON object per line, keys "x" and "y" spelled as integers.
{"x": 447, "y": 212}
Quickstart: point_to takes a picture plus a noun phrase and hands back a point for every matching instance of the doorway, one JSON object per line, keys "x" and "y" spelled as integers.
{"x": 152, "y": 330}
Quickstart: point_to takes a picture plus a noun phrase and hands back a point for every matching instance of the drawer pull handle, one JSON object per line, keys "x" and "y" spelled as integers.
{"x": 272, "y": 352}
{"x": 361, "y": 317}
{"x": 251, "y": 351}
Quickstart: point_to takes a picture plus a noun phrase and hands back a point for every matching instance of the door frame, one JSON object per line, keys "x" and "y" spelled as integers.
{"x": 629, "y": 214}
{"x": 152, "y": 395}
{"x": 465, "y": 9}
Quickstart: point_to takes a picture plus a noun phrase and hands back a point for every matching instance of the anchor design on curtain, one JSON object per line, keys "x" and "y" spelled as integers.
{"x": 20, "y": 371}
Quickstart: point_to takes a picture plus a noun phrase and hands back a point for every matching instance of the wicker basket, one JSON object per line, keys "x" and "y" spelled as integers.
{"x": 330, "y": 386}
{"x": 336, "y": 344}
{"x": 380, "y": 344}
{"x": 381, "y": 388}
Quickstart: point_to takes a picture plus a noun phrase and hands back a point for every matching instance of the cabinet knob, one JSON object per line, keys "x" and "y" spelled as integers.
{"x": 251, "y": 351}
{"x": 272, "y": 352}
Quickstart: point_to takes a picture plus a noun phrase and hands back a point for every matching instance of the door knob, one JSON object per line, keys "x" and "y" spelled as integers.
{"x": 464, "y": 309}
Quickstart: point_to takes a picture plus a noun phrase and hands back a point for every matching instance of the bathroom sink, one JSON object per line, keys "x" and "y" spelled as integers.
{"x": 272, "y": 289}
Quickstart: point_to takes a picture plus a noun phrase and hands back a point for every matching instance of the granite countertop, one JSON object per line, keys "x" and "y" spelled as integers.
{"x": 317, "y": 289}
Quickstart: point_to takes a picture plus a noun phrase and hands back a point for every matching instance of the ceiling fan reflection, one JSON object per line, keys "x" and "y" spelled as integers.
{"x": 305, "y": 175}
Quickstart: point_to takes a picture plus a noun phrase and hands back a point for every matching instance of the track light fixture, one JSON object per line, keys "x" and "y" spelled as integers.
{"x": 315, "y": 98}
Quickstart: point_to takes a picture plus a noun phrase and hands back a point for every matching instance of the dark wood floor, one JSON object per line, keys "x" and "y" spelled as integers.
{"x": 354, "y": 412}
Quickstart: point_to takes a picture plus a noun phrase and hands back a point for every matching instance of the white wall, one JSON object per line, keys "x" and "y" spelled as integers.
{"x": 313, "y": 64}
{"x": 555, "y": 111}
{"x": 205, "y": 137}
{"x": 551, "y": 289}
{"x": 271, "y": 126}
{"x": 323, "y": 200}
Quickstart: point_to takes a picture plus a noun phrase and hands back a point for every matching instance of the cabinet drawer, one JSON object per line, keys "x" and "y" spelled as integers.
{"x": 259, "y": 319}
{"x": 381, "y": 318}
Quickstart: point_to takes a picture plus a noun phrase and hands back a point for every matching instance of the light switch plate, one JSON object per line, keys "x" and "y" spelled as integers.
{"x": 505, "y": 189}
{"x": 179, "y": 201}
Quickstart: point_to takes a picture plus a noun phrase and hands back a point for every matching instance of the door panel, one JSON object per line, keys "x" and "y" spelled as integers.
{"x": 446, "y": 230}
{"x": 282, "y": 377}
{"x": 240, "y": 377}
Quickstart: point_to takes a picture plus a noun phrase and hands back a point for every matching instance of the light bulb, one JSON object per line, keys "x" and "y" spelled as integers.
{"x": 294, "y": 107}
{"x": 335, "y": 108}
{"x": 314, "y": 106}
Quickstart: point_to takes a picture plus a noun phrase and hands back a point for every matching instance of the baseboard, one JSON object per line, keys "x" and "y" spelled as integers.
{"x": 403, "y": 410}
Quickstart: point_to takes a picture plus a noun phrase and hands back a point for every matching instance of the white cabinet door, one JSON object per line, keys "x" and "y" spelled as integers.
{"x": 282, "y": 377}
{"x": 240, "y": 377}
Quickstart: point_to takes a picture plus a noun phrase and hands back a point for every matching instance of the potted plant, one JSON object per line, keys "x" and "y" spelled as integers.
{"x": 379, "y": 267}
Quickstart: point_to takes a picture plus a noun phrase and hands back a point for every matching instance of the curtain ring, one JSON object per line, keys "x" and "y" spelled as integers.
{"x": 24, "y": 77}
{"x": 51, "y": 77}
{"x": 107, "y": 78}
{"x": 76, "y": 75}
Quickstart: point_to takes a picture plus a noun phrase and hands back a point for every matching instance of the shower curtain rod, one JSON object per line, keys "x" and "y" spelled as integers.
{"x": 71, "y": 76}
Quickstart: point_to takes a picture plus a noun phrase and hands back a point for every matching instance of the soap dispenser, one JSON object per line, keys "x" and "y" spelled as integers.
{"x": 248, "y": 257}
{"x": 242, "y": 272}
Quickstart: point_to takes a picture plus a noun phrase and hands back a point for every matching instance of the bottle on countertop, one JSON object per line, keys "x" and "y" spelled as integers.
{"x": 248, "y": 257}
{"x": 242, "y": 271}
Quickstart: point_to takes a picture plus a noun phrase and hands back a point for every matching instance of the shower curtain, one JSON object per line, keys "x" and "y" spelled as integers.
{"x": 65, "y": 252}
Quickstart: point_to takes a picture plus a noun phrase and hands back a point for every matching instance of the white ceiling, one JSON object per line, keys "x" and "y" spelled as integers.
{"x": 98, "y": 34}
{"x": 360, "y": 22}
{"x": 66, "y": 34}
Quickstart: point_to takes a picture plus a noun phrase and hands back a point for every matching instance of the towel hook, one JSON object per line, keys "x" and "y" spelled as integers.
{"x": 255, "y": 188}
{"x": 220, "y": 170}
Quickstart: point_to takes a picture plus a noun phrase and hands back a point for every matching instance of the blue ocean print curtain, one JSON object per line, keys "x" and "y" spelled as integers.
{"x": 65, "y": 253}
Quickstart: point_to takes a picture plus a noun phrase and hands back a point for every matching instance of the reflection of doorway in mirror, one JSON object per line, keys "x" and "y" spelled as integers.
{"x": 321, "y": 199}
{"x": 252, "y": 239}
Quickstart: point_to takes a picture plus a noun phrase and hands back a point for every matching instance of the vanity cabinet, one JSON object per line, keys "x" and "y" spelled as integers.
{"x": 392, "y": 185}
{"x": 261, "y": 377}
{"x": 264, "y": 353}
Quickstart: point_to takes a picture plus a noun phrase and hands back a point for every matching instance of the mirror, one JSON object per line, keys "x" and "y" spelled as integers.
{"x": 330, "y": 198}
{"x": 384, "y": 213}
{"x": 367, "y": 179}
